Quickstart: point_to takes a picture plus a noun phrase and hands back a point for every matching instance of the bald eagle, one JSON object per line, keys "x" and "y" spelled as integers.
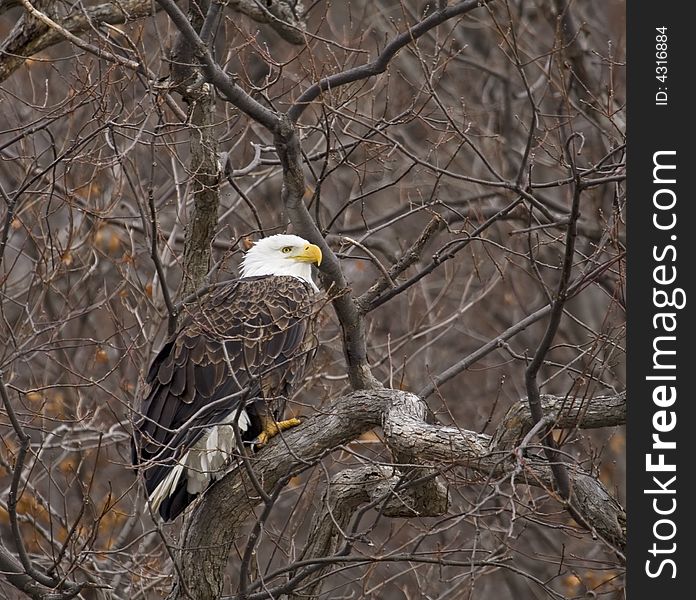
{"x": 236, "y": 358}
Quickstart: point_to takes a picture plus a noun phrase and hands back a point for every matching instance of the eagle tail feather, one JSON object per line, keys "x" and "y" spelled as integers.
{"x": 201, "y": 465}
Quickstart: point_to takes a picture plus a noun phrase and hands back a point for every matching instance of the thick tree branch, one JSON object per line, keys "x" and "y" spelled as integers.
{"x": 446, "y": 445}
{"x": 380, "y": 487}
{"x": 352, "y": 322}
{"x": 280, "y": 15}
{"x": 14, "y": 573}
{"x": 68, "y": 35}
{"x": 225, "y": 508}
{"x": 565, "y": 413}
{"x": 214, "y": 73}
{"x": 204, "y": 168}
{"x": 30, "y": 36}
{"x": 211, "y": 530}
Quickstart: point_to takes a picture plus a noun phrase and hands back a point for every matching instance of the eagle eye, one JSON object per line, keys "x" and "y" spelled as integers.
{"x": 286, "y": 249}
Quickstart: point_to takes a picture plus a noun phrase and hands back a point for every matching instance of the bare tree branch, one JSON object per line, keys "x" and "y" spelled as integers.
{"x": 209, "y": 538}
{"x": 551, "y": 448}
{"x": 281, "y": 15}
{"x": 377, "y": 66}
{"x": 24, "y": 573}
{"x": 31, "y": 36}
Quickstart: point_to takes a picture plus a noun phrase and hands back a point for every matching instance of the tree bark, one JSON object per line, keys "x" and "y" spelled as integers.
{"x": 29, "y": 36}
{"x": 204, "y": 167}
{"x": 217, "y": 520}
{"x": 205, "y": 178}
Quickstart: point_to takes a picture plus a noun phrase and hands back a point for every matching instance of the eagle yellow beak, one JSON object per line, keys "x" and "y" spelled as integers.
{"x": 310, "y": 254}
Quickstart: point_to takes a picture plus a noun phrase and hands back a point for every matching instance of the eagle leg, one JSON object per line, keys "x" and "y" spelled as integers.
{"x": 271, "y": 428}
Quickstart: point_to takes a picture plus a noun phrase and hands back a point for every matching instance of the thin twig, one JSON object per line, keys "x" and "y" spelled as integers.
{"x": 215, "y": 74}
{"x": 380, "y": 63}
{"x": 154, "y": 251}
{"x": 375, "y": 261}
{"x": 575, "y": 287}
{"x": 551, "y": 448}
{"x": 80, "y": 43}
{"x": 69, "y": 589}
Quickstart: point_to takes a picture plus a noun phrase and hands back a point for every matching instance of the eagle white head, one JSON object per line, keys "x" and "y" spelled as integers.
{"x": 282, "y": 254}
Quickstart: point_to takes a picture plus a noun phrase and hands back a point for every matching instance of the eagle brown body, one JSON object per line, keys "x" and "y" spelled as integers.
{"x": 237, "y": 357}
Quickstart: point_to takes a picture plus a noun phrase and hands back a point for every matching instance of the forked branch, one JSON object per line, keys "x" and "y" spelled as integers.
{"x": 219, "y": 518}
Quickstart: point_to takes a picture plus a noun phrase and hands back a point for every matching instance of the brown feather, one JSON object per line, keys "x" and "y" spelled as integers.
{"x": 255, "y": 336}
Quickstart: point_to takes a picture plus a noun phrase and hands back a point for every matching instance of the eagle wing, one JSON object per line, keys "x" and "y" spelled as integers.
{"x": 247, "y": 342}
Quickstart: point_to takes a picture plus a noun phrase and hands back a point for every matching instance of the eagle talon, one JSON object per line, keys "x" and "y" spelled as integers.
{"x": 271, "y": 429}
